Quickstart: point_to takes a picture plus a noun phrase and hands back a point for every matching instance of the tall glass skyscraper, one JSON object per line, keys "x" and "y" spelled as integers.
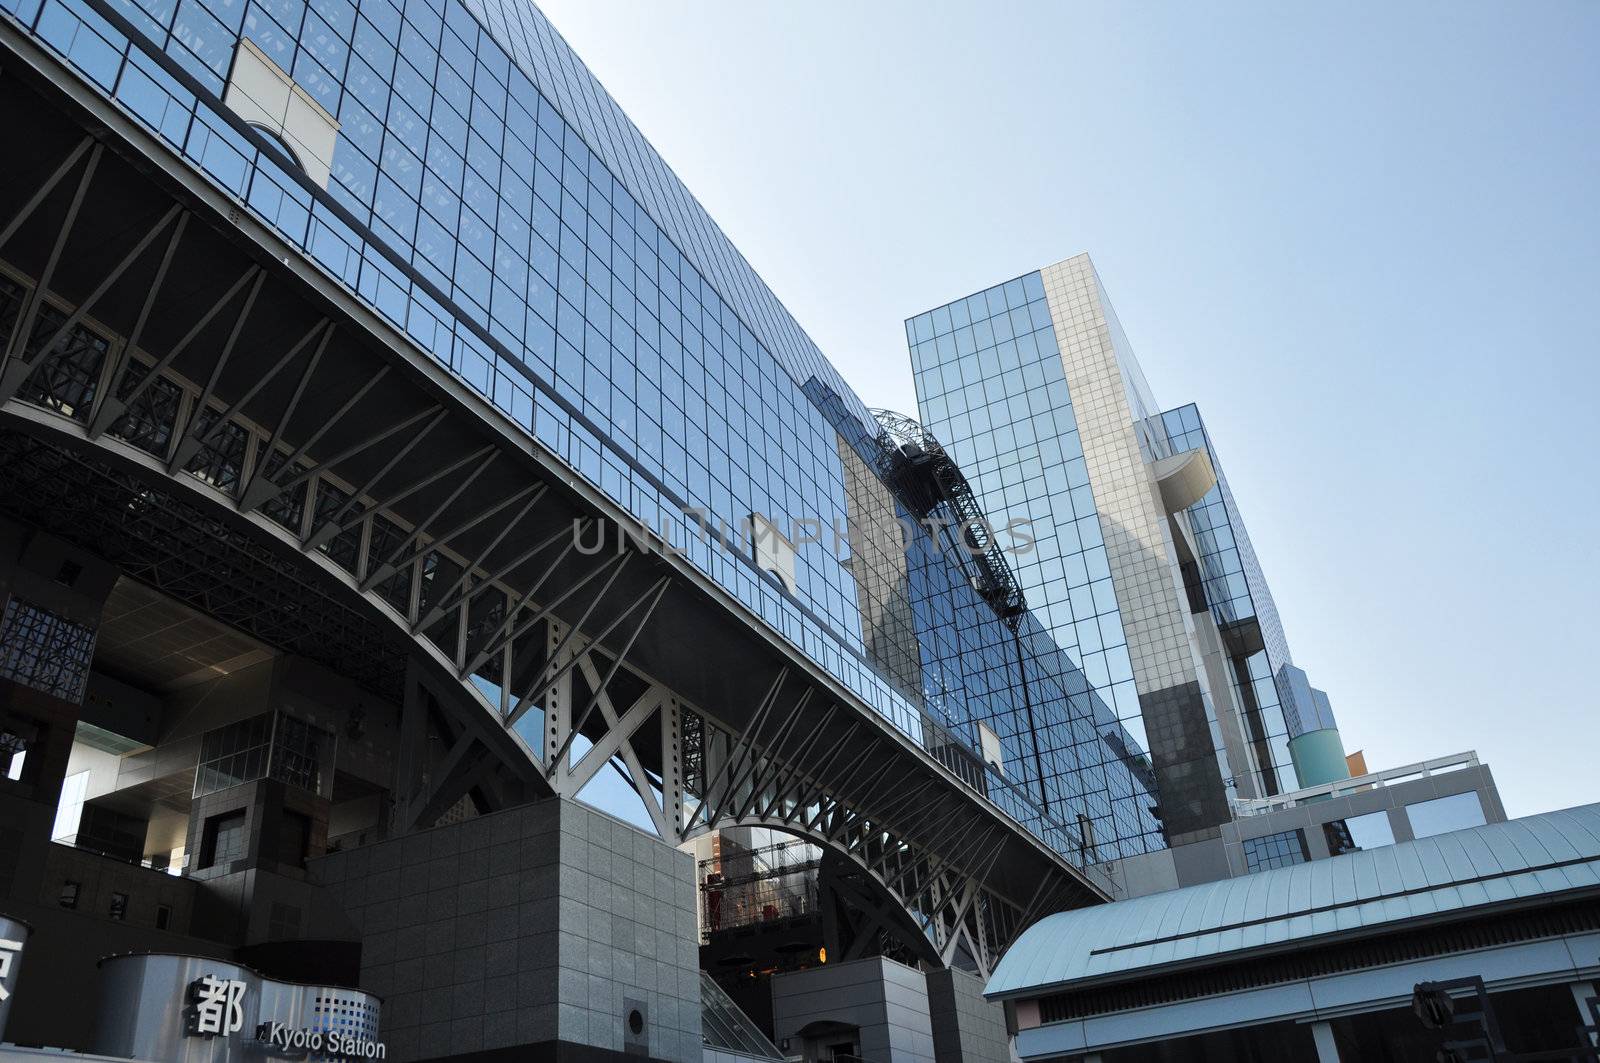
{"x": 1143, "y": 575}
{"x": 487, "y": 197}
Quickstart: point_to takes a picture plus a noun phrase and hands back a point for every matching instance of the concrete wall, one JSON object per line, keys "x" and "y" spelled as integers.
{"x": 56, "y": 991}
{"x": 885, "y": 1002}
{"x": 99, "y": 877}
{"x": 1223, "y": 857}
{"x": 508, "y": 933}
{"x": 32, "y": 570}
{"x": 1392, "y": 798}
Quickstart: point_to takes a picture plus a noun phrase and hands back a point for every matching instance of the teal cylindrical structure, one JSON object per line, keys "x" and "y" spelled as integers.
{"x": 1318, "y": 757}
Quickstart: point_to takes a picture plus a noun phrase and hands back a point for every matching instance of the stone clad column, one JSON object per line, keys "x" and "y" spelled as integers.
{"x": 545, "y": 927}
{"x": 1174, "y": 694}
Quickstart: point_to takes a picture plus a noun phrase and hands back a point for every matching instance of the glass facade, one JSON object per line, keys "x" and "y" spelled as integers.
{"x": 1236, "y": 592}
{"x": 272, "y": 745}
{"x": 990, "y": 383}
{"x": 928, "y": 596}
{"x": 1060, "y": 742}
{"x": 491, "y": 201}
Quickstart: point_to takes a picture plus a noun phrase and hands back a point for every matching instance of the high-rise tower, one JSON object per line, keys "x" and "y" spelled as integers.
{"x": 1142, "y": 571}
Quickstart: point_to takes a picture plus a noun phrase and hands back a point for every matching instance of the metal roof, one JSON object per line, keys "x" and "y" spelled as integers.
{"x": 1541, "y": 855}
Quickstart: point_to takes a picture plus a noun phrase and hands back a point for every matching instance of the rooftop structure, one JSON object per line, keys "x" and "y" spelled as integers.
{"x": 1320, "y": 960}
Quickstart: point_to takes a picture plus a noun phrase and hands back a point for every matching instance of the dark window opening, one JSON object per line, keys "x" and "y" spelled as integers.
{"x": 224, "y": 839}
{"x": 163, "y": 916}
{"x": 119, "y": 906}
{"x": 13, "y": 753}
{"x": 220, "y": 461}
{"x": 294, "y": 839}
{"x": 69, "y": 894}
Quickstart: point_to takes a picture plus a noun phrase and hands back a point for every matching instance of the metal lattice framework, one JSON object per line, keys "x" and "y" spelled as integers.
{"x": 756, "y": 779}
{"x": 188, "y": 396}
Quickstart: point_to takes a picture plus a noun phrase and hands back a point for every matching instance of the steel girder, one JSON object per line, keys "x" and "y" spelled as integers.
{"x": 186, "y": 393}
{"x": 903, "y": 842}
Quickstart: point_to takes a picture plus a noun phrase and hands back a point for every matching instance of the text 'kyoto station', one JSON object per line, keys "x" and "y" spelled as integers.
{"x": 453, "y": 611}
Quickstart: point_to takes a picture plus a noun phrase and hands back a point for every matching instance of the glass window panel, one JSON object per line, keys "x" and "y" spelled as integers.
{"x": 1276, "y": 850}
{"x": 1353, "y": 833}
{"x": 1444, "y": 814}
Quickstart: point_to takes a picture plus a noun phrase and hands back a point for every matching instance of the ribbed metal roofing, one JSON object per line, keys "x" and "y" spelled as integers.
{"x": 1541, "y": 855}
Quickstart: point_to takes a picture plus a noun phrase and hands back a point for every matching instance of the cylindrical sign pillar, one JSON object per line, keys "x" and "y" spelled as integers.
{"x": 188, "y": 1009}
{"x": 13, "y": 939}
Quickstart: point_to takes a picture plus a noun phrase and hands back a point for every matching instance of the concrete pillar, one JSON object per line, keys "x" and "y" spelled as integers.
{"x": 14, "y": 935}
{"x": 966, "y": 1027}
{"x": 1327, "y": 1048}
{"x": 881, "y": 1005}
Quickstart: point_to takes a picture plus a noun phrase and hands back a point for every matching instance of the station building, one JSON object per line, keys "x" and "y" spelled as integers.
{"x": 1320, "y": 961}
{"x": 450, "y": 610}
{"x": 435, "y": 568}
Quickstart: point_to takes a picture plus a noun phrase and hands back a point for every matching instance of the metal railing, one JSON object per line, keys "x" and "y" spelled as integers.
{"x": 1260, "y": 806}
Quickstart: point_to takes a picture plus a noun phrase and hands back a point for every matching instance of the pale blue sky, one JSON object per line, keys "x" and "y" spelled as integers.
{"x": 1365, "y": 238}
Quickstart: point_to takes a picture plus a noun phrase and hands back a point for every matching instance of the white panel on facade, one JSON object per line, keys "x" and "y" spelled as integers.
{"x": 1184, "y": 478}
{"x": 993, "y": 754}
{"x": 263, "y": 94}
{"x": 774, "y": 552}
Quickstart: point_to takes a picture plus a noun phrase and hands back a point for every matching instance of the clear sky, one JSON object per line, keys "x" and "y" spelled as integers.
{"x": 1365, "y": 238}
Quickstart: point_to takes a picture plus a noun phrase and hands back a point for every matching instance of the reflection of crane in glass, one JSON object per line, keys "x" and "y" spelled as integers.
{"x": 912, "y": 461}
{"x": 915, "y": 463}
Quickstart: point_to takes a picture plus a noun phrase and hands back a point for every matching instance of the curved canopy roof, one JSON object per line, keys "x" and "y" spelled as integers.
{"x": 1542, "y": 855}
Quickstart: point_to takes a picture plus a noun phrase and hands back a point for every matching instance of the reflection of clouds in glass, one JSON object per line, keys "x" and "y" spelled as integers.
{"x": 1444, "y": 814}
